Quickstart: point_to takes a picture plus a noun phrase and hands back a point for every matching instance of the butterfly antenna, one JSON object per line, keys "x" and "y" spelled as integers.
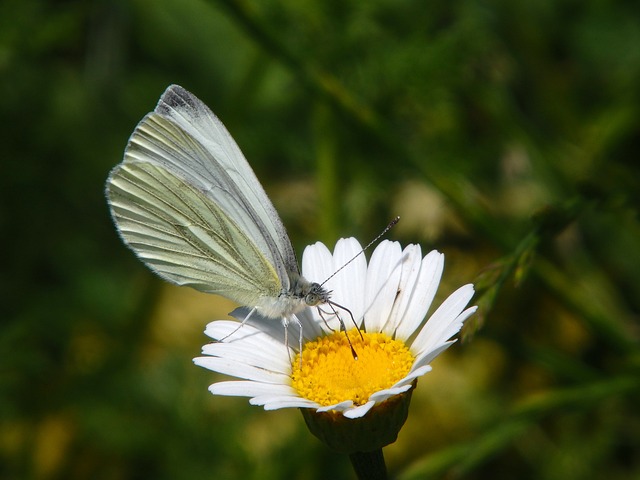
{"x": 381, "y": 234}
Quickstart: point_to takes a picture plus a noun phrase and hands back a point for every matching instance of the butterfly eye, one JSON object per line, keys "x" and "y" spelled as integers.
{"x": 312, "y": 298}
{"x": 316, "y": 295}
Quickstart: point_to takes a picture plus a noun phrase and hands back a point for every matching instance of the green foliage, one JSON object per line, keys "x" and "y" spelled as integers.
{"x": 504, "y": 133}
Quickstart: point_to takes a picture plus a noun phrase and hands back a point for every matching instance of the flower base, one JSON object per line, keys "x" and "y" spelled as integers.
{"x": 378, "y": 428}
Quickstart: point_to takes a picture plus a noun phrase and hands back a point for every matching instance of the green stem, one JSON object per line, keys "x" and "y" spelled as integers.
{"x": 369, "y": 465}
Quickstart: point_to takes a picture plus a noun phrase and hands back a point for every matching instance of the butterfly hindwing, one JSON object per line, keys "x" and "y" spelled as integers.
{"x": 185, "y": 237}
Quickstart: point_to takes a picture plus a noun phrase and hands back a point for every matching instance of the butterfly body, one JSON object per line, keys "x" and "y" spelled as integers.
{"x": 300, "y": 295}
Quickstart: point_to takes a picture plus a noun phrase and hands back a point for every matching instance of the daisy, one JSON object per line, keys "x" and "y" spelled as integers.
{"x": 386, "y": 300}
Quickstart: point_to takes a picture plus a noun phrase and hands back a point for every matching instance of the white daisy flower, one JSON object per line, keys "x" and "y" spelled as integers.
{"x": 387, "y": 300}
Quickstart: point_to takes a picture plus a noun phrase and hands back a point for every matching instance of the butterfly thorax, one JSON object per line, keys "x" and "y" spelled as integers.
{"x": 300, "y": 294}
{"x": 311, "y": 293}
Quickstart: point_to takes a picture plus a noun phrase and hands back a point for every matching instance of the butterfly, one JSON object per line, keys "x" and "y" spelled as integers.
{"x": 188, "y": 204}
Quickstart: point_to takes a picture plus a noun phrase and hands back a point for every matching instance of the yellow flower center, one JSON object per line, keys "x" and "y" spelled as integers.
{"x": 328, "y": 373}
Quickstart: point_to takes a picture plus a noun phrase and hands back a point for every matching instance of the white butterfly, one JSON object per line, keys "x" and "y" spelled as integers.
{"x": 186, "y": 201}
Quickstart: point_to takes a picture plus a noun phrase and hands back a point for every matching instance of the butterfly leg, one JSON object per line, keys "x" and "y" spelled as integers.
{"x": 285, "y": 323}
{"x": 322, "y": 314}
{"x": 332, "y": 306}
{"x": 249, "y": 315}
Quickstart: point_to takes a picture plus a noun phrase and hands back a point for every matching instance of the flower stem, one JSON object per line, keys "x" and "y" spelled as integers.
{"x": 369, "y": 465}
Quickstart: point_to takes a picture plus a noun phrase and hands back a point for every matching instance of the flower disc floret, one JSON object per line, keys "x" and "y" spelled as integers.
{"x": 329, "y": 374}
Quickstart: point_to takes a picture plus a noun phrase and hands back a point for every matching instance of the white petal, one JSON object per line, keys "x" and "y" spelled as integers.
{"x": 317, "y": 266}
{"x": 232, "y": 332}
{"x": 244, "y": 352}
{"x": 348, "y": 284}
{"x": 456, "y": 325}
{"x": 250, "y": 338}
{"x": 293, "y": 403}
{"x": 383, "y": 277}
{"x": 427, "y": 356}
{"x": 360, "y": 411}
{"x": 338, "y": 407}
{"x": 382, "y": 395}
{"x": 273, "y": 327}
{"x": 243, "y": 388}
{"x": 442, "y": 319}
{"x": 273, "y": 399}
{"x": 410, "y": 269}
{"x": 344, "y": 273}
{"x": 235, "y": 369}
{"x": 317, "y": 263}
{"x": 420, "y": 297}
{"x": 413, "y": 374}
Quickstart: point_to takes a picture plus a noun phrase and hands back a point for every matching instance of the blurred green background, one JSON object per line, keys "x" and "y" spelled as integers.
{"x": 506, "y": 134}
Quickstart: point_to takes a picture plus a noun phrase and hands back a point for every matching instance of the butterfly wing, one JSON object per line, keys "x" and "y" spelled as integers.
{"x": 239, "y": 184}
{"x": 188, "y": 204}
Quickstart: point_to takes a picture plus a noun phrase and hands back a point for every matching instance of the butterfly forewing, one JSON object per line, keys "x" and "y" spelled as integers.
{"x": 189, "y": 205}
{"x": 230, "y": 172}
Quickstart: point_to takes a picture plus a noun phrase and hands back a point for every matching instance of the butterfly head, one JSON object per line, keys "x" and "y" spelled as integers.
{"x": 311, "y": 294}
{"x": 316, "y": 295}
